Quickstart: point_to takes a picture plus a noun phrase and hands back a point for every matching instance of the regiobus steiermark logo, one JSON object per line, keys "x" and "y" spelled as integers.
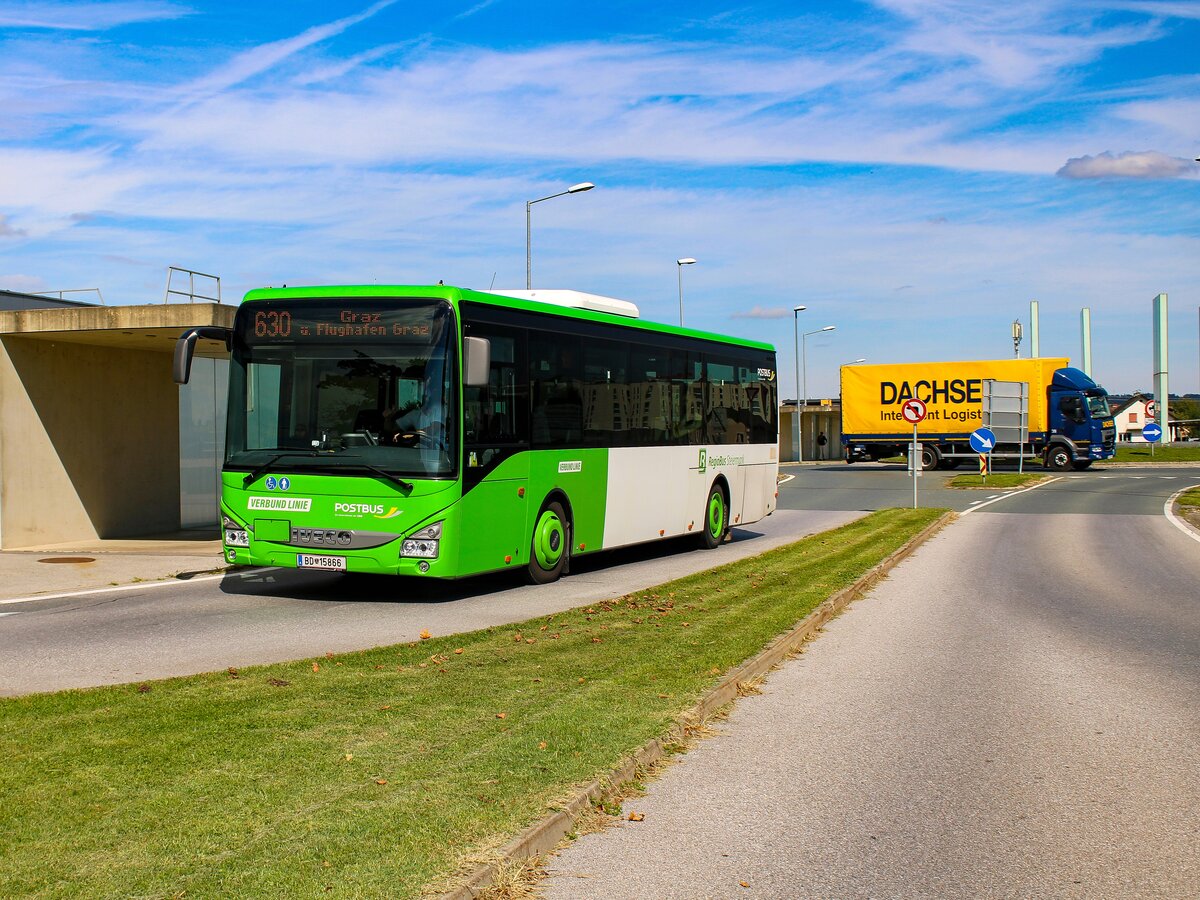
{"x": 703, "y": 460}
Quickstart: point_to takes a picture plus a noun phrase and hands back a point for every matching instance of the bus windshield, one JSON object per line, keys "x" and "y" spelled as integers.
{"x": 354, "y": 383}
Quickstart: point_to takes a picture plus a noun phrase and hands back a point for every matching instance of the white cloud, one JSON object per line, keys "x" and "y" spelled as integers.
{"x": 267, "y": 56}
{"x": 23, "y": 284}
{"x": 1130, "y": 164}
{"x": 762, "y": 312}
{"x": 86, "y": 16}
{"x": 8, "y": 231}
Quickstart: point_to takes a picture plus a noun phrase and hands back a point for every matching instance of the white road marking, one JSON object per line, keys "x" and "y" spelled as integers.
{"x": 2, "y": 615}
{"x": 784, "y": 479}
{"x": 1174, "y": 519}
{"x": 1032, "y": 487}
{"x": 143, "y": 586}
{"x": 994, "y": 496}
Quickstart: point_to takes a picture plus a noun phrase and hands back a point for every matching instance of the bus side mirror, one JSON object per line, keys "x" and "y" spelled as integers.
{"x": 185, "y": 348}
{"x": 477, "y": 361}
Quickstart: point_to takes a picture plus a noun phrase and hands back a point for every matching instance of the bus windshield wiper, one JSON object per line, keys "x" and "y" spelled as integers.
{"x": 258, "y": 472}
{"x": 405, "y": 486}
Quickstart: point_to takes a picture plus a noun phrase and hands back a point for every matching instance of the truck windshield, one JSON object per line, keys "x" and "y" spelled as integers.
{"x": 1098, "y": 406}
{"x": 354, "y": 384}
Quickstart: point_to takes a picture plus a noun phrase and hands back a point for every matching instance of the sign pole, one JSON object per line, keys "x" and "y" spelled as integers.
{"x": 916, "y": 461}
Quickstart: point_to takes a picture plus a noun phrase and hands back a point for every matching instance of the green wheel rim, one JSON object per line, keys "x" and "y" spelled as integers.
{"x": 716, "y": 514}
{"x": 549, "y": 540}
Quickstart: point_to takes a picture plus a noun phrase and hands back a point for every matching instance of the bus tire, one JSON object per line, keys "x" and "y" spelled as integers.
{"x": 715, "y": 522}
{"x": 550, "y": 545}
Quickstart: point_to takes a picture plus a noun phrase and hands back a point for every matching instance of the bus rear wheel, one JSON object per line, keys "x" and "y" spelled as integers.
{"x": 550, "y": 545}
{"x": 716, "y": 518}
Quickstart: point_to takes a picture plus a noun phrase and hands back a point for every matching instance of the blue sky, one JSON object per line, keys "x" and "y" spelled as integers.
{"x": 913, "y": 172}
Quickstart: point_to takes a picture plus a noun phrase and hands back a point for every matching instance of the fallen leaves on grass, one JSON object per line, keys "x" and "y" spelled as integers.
{"x": 636, "y": 817}
{"x": 381, "y": 781}
{"x": 277, "y": 682}
{"x": 316, "y": 667}
{"x": 501, "y": 715}
{"x": 425, "y": 635}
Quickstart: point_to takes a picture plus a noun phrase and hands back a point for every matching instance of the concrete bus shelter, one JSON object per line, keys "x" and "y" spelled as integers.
{"x": 96, "y": 439}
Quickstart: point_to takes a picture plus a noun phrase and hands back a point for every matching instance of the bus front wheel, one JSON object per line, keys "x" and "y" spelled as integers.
{"x": 550, "y": 545}
{"x": 716, "y": 518}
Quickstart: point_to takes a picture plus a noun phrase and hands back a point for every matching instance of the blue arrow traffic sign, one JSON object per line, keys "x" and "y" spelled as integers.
{"x": 1152, "y": 431}
{"x": 982, "y": 440}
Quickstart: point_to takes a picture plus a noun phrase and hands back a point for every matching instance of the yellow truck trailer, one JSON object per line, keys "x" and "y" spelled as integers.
{"x": 1069, "y": 422}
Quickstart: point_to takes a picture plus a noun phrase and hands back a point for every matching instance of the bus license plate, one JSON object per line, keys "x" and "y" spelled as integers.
{"x": 336, "y": 563}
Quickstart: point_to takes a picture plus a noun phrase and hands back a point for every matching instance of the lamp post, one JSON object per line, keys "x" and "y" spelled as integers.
{"x": 804, "y": 368}
{"x": 573, "y": 189}
{"x": 855, "y": 362}
{"x": 679, "y": 264}
{"x": 796, "y": 310}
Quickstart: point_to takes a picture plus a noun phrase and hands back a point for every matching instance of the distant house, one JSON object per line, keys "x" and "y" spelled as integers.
{"x": 1130, "y": 415}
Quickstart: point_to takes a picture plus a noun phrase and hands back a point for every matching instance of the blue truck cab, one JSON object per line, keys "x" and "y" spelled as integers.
{"x": 1081, "y": 425}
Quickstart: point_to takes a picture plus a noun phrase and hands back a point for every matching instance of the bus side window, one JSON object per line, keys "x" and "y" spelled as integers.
{"x": 761, "y": 403}
{"x": 555, "y": 382}
{"x": 605, "y": 393}
{"x": 496, "y": 414}
{"x": 721, "y": 403}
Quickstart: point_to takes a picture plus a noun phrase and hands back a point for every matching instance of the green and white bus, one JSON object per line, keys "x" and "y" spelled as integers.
{"x": 442, "y": 432}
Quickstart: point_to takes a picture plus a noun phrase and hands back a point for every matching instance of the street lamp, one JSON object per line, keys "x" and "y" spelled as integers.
{"x": 855, "y": 362}
{"x": 804, "y": 367}
{"x": 679, "y": 264}
{"x": 796, "y": 310}
{"x": 573, "y": 189}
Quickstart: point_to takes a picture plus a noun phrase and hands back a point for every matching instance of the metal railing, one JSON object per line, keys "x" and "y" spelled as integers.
{"x": 190, "y": 293}
{"x": 59, "y": 294}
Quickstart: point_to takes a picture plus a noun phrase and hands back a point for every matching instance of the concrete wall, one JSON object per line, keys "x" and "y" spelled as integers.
{"x": 816, "y": 420}
{"x": 89, "y": 442}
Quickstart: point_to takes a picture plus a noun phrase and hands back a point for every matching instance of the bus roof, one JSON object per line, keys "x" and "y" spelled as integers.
{"x": 456, "y": 295}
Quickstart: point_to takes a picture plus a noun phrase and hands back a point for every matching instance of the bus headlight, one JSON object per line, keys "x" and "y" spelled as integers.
{"x": 235, "y": 534}
{"x": 424, "y": 544}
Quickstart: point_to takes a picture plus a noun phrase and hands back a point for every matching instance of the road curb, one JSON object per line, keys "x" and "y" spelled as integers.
{"x": 1177, "y": 520}
{"x": 545, "y": 835}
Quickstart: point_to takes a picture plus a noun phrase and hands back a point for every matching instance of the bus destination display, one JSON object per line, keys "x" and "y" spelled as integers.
{"x": 340, "y": 322}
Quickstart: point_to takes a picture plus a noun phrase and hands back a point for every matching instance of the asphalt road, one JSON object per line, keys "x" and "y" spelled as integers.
{"x": 272, "y": 615}
{"x": 1014, "y": 712}
{"x": 868, "y": 486}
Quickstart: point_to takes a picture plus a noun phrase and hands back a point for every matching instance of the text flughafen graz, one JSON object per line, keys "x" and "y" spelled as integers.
{"x": 954, "y": 391}
{"x": 342, "y": 322}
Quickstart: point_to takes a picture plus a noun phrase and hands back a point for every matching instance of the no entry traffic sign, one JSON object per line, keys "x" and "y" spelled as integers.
{"x": 913, "y": 411}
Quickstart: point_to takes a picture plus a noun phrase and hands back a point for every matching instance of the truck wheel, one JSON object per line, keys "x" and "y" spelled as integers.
{"x": 929, "y": 457}
{"x": 1058, "y": 458}
{"x": 716, "y": 518}
{"x": 1081, "y": 465}
{"x": 550, "y": 545}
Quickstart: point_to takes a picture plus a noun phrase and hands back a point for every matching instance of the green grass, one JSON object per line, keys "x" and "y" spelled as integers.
{"x": 1190, "y": 500}
{"x": 267, "y": 782}
{"x": 996, "y": 480}
{"x": 1188, "y": 452}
